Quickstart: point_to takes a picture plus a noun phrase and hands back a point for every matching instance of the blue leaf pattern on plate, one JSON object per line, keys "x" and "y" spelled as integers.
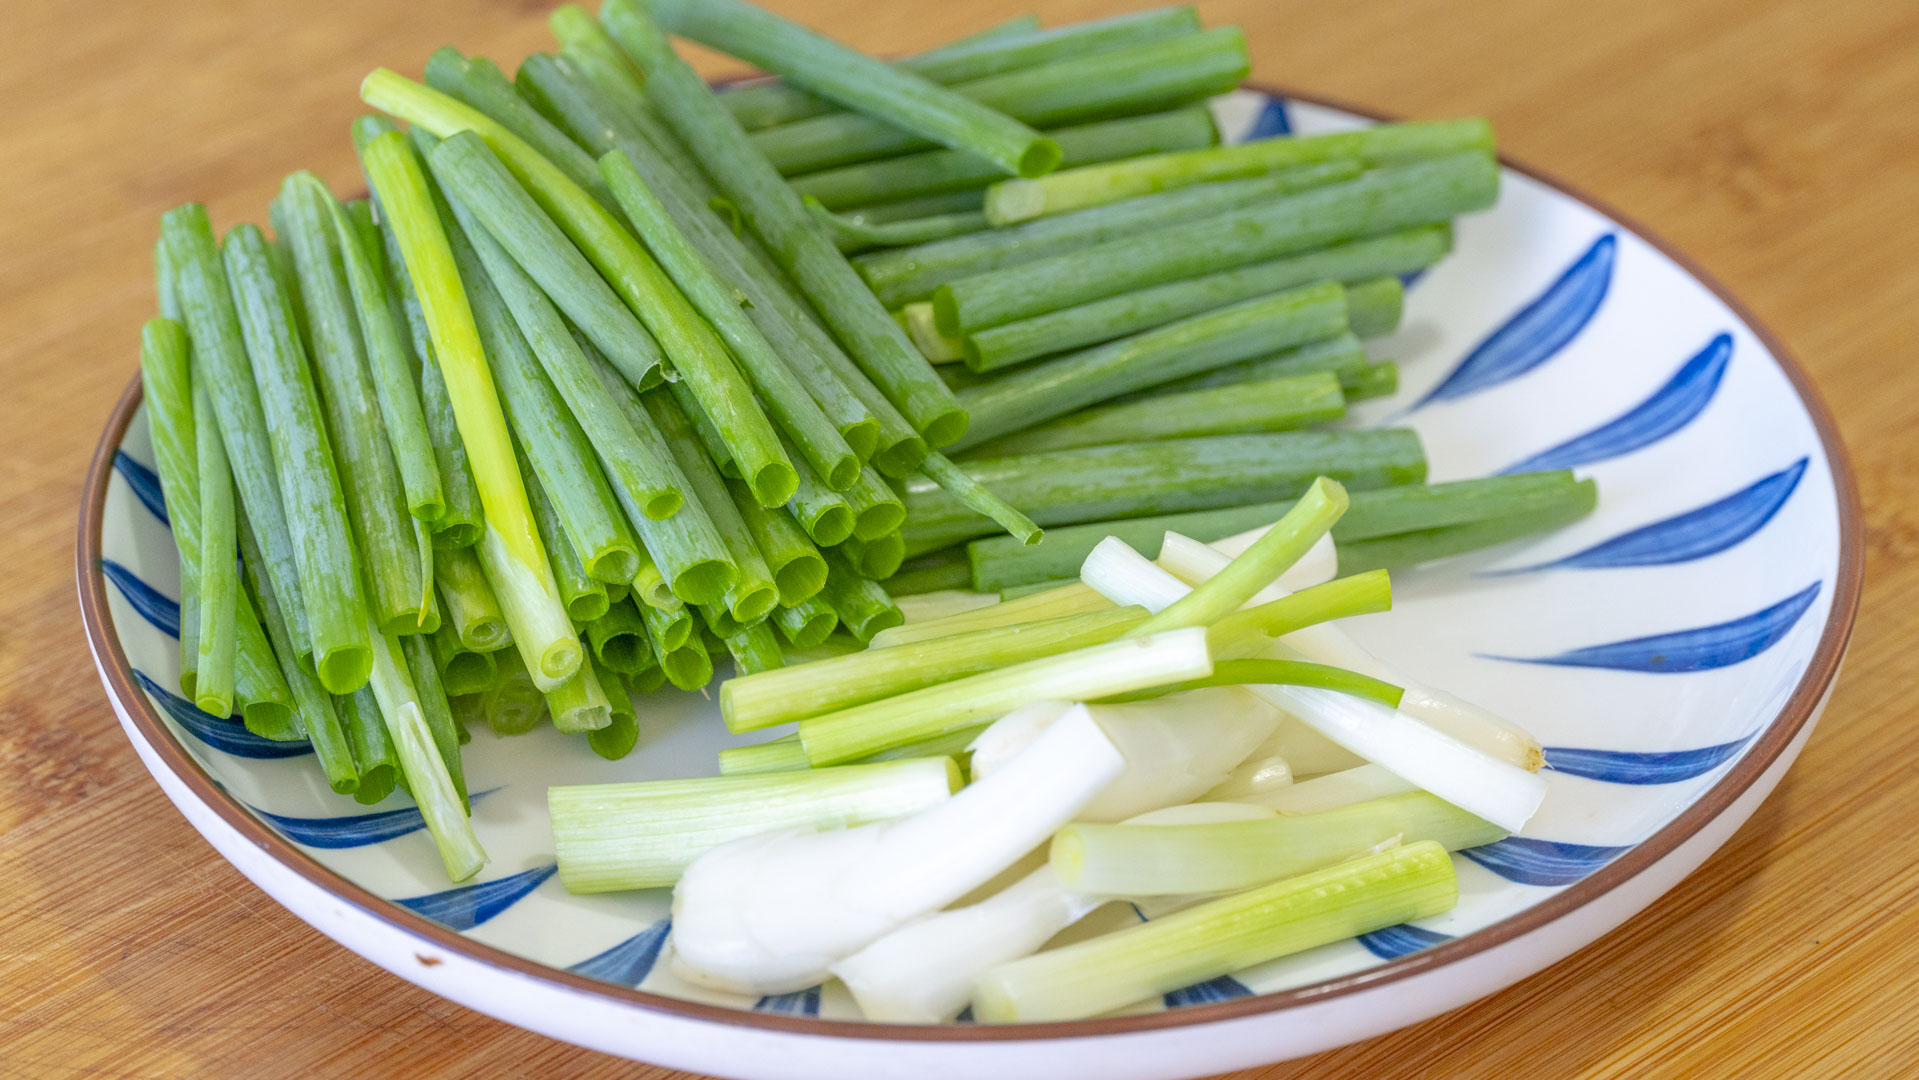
{"x": 353, "y": 830}
{"x": 225, "y": 735}
{"x": 1670, "y": 408}
{"x": 1272, "y": 120}
{"x": 1539, "y": 330}
{"x": 629, "y": 962}
{"x": 1694, "y": 534}
{"x": 1629, "y": 767}
{"x": 145, "y": 484}
{"x": 1224, "y": 988}
{"x": 798, "y": 1003}
{"x": 1701, "y": 649}
{"x": 1402, "y": 940}
{"x": 1527, "y": 861}
{"x": 156, "y": 608}
{"x": 467, "y": 906}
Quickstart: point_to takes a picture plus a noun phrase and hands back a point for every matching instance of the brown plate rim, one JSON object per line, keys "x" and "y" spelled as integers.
{"x": 1806, "y": 696}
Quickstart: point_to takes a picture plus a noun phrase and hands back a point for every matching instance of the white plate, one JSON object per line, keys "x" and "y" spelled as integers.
{"x": 1672, "y": 650}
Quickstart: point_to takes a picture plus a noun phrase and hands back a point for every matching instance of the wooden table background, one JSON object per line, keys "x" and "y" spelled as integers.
{"x": 1775, "y": 141}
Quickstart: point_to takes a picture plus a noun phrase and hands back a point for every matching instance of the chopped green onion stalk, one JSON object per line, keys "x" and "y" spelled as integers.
{"x": 875, "y": 506}
{"x": 215, "y": 645}
{"x": 436, "y": 708}
{"x": 1342, "y": 355}
{"x": 311, "y": 701}
{"x": 862, "y": 606}
{"x": 935, "y": 573}
{"x": 372, "y": 747}
{"x": 852, "y": 234}
{"x": 798, "y": 569}
{"x": 166, "y": 381}
{"x": 643, "y": 835}
{"x": 753, "y": 592}
{"x": 877, "y": 559}
{"x": 1380, "y": 145}
{"x": 1071, "y": 598}
{"x": 515, "y": 705}
{"x": 805, "y": 624}
{"x": 618, "y": 641}
{"x": 827, "y": 515}
{"x": 472, "y": 611}
{"x": 690, "y": 666}
{"x": 917, "y": 317}
{"x": 1289, "y": 916}
{"x": 779, "y": 755}
{"x": 582, "y": 593}
{"x": 461, "y": 669}
{"x": 622, "y": 732}
{"x": 754, "y": 649}
{"x": 1270, "y": 556}
{"x": 580, "y": 704}
{"x": 428, "y": 779}
{"x": 1285, "y": 403}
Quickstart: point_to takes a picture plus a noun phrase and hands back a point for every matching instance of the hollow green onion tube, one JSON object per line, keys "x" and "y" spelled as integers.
{"x": 1426, "y": 545}
{"x": 893, "y": 180}
{"x": 1281, "y": 404}
{"x": 1198, "y": 343}
{"x": 910, "y": 208}
{"x": 1144, "y": 77}
{"x": 479, "y": 83}
{"x": 753, "y": 592}
{"x": 322, "y": 540}
{"x": 779, "y": 755}
{"x": 825, "y": 514}
{"x": 618, "y": 640}
{"x": 794, "y": 693}
{"x": 875, "y": 506}
{"x": 622, "y": 262}
{"x": 891, "y": 96}
{"x": 776, "y": 216}
{"x": 1092, "y": 672}
{"x": 795, "y": 562}
{"x": 850, "y": 234}
{"x": 471, "y": 609}
{"x": 933, "y": 572}
{"x": 923, "y": 326}
{"x": 795, "y": 410}
{"x": 462, "y": 670}
{"x": 1070, "y": 598}
{"x": 1103, "y": 482}
{"x": 690, "y": 666}
{"x": 878, "y": 558}
{"x": 1310, "y": 518}
{"x": 1383, "y": 144}
{"x": 805, "y": 624}
{"x": 1375, "y": 307}
{"x": 388, "y": 360}
{"x": 208, "y": 310}
{"x": 310, "y": 699}
{"x": 919, "y": 272}
{"x": 622, "y": 730}
{"x": 582, "y": 593}
{"x": 510, "y": 547}
{"x": 559, "y": 451}
{"x": 219, "y": 575}
{"x": 642, "y": 835}
{"x": 754, "y": 650}
{"x": 1288, "y": 916}
{"x": 1343, "y": 355}
{"x": 372, "y": 747}
{"x": 1013, "y": 46}
{"x": 397, "y": 591}
{"x": 166, "y": 382}
{"x": 578, "y": 107}
{"x": 1381, "y": 201}
{"x": 1151, "y": 860}
{"x": 862, "y": 606}
{"x": 975, "y": 496}
{"x": 514, "y": 705}
{"x": 580, "y": 704}
{"x": 442, "y": 804}
{"x": 430, "y": 691}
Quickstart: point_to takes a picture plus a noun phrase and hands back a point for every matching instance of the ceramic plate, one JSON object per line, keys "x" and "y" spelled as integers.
{"x": 1672, "y": 651}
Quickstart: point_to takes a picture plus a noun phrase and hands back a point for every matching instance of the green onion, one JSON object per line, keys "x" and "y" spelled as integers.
{"x": 515, "y": 705}
{"x": 206, "y": 304}
{"x": 621, "y": 259}
{"x": 920, "y": 325}
{"x": 643, "y": 835}
{"x": 939, "y": 173}
{"x": 583, "y": 594}
{"x": 1382, "y": 201}
{"x": 166, "y": 381}
{"x": 439, "y": 796}
{"x": 796, "y": 565}
{"x": 618, "y": 640}
{"x": 1426, "y": 545}
{"x": 397, "y": 590}
{"x": 1342, "y": 355}
{"x": 666, "y": 629}
{"x": 1281, "y": 673}
{"x": 688, "y": 667}
{"x": 435, "y": 709}
{"x": 754, "y": 649}
{"x": 622, "y": 732}
{"x": 775, "y": 214}
{"x": 1008, "y": 47}
{"x": 913, "y": 208}
{"x": 580, "y": 704}
{"x": 1222, "y": 936}
{"x": 875, "y": 506}
{"x": 323, "y": 544}
{"x": 862, "y": 606}
{"x": 975, "y": 496}
{"x": 1211, "y": 339}
{"x": 795, "y": 410}
{"x": 462, "y": 670}
{"x": 373, "y": 753}
{"x": 1373, "y": 305}
{"x": 479, "y": 83}
{"x": 1281, "y": 404}
{"x": 1102, "y": 482}
{"x": 805, "y": 624}
{"x": 648, "y": 681}
{"x": 753, "y": 593}
{"x": 850, "y": 234}
{"x": 1311, "y": 517}
{"x": 931, "y": 573}
{"x": 1158, "y": 860}
{"x": 219, "y": 578}
{"x": 890, "y": 96}
{"x": 780, "y": 755}
{"x": 310, "y": 699}
{"x": 1143, "y": 77}
{"x": 1097, "y": 671}
{"x": 794, "y": 693}
{"x": 825, "y": 514}
{"x": 510, "y": 547}
{"x": 1071, "y": 598}
{"x": 472, "y": 611}
{"x": 878, "y": 558}
{"x": 1382, "y": 144}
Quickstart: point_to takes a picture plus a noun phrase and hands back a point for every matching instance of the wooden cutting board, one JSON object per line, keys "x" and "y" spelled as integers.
{"x": 1775, "y": 141}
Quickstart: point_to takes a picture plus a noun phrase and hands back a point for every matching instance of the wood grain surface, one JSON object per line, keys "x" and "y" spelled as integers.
{"x": 1776, "y": 141}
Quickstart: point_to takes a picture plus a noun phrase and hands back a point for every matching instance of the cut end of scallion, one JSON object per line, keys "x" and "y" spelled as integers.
{"x": 1040, "y": 158}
